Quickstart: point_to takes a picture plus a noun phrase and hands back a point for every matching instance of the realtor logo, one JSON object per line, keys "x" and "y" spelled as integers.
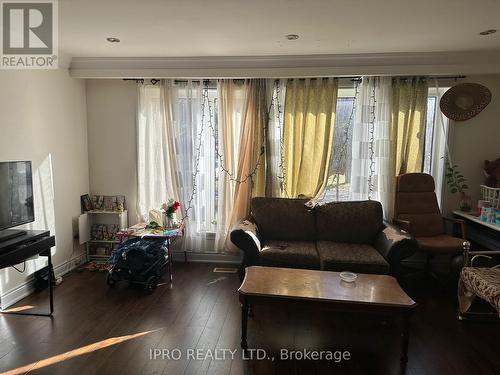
{"x": 29, "y": 34}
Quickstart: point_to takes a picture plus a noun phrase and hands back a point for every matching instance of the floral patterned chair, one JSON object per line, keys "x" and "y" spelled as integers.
{"x": 482, "y": 282}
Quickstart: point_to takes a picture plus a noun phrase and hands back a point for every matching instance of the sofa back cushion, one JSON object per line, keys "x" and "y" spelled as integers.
{"x": 349, "y": 222}
{"x": 283, "y": 219}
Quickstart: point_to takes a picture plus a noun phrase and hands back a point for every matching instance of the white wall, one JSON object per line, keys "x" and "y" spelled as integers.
{"x": 43, "y": 119}
{"x": 473, "y": 141}
{"x": 111, "y": 111}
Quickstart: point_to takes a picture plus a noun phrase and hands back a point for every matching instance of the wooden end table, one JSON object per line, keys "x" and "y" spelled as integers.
{"x": 369, "y": 293}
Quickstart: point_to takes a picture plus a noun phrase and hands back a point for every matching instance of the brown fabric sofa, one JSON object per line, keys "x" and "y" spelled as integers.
{"x": 334, "y": 236}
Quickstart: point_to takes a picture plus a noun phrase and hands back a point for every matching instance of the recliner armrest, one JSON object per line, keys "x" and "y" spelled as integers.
{"x": 395, "y": 244}
{"x": 457, "y": 221}
{"x": 245, "y": 236}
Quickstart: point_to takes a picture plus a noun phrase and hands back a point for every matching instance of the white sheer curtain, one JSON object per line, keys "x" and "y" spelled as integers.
{"x": 276, "y": 99}
{"x": 194, "y": 145}
{"x": 440, "y": 149}
{"x": 373, "y": 112}
{"x": 153, "y": 168}
{"x": 173, "y": 130}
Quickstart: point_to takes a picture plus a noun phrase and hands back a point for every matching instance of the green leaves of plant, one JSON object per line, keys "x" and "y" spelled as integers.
{"x": 454, "y": 179}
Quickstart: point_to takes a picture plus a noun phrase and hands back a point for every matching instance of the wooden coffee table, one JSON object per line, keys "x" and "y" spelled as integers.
{"x": 369, "y": 293}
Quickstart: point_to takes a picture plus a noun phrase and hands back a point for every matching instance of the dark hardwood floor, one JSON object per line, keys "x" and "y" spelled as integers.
{"x": 98, "y": 330}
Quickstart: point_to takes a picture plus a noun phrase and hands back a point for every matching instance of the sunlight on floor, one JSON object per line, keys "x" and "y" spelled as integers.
{"x": 19, "y": 308}
{"x": 75, "y": 353}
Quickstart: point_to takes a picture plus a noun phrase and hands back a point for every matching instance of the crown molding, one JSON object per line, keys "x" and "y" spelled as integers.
{"x": 429, "y": 63}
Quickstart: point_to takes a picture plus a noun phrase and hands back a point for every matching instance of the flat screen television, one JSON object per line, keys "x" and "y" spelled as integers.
{"x": 16, "y": 197}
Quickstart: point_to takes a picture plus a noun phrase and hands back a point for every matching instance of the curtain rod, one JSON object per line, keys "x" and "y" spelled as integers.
{"x": 359, "y": 78}
{"x": 154, "y": 81}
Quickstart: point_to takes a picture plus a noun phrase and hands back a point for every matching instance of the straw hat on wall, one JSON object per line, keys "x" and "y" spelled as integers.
{"x": 464, "y": 101}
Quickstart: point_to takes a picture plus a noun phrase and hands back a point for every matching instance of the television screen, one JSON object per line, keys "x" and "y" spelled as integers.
{"x": 16, "y": 194}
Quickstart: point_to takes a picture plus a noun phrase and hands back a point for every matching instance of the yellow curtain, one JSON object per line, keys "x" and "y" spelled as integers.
{"x": 409, "y": 111}
{"x": 309, "y": 123}
{"x": 261, "y": 182}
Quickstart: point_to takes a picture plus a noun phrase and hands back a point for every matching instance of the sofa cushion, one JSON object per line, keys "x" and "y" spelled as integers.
{"x": 296, "y": 254}
{"x": 337, "y": 256}
{"x": 350, "y": 222}
{"x": 283, "y": 219}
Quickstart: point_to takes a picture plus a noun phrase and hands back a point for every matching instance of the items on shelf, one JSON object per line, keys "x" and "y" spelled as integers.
{"x": 115, "y": 203}
{"x": 102, "y": 218}
{"x": 490, "y": 215}
{"x": 104, "y": 232}
{"x": 490, "y": 195}
{"x": 86, "y": 203}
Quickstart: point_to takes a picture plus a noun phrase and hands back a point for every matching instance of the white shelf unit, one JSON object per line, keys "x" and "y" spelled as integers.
{"x": 100, "y": 250}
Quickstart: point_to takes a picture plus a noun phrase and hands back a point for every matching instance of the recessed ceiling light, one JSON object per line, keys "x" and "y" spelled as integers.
{"x": 292, "y": 36}
{"x": 488, "y": 32}
{"x": 113, "y": 40}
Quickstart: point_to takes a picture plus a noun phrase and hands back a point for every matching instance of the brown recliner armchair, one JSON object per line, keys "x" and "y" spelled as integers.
{"x": 417, "y": 212}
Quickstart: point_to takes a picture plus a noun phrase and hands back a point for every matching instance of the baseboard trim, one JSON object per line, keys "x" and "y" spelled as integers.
{"x": 180, "y": 256}
{"x": 25, "y": 289}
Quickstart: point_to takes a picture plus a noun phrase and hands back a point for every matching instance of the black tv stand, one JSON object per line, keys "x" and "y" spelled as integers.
{"x": 22, "y": 247}
{"x": 8, "y": 234}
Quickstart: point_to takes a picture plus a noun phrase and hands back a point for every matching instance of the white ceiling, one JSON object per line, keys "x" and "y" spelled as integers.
{"x": 168, "y": 28}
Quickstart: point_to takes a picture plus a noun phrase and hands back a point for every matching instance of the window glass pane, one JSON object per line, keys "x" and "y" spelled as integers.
{"x": 338, "y": 187}
{"x": 429, "y": 133}
{"x": 340, "y": 167}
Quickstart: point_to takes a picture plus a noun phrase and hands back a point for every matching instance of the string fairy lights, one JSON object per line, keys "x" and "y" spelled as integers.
{"x": 207, "y": 120}
{"x": 276, "y": 107}
{"x": 371, "y": 144}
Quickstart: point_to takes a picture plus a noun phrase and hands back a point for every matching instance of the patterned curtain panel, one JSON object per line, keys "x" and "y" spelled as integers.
{"x": 372, "y": 171}
{"x": 309, "y": 122}
{"x": 409, "y": 110}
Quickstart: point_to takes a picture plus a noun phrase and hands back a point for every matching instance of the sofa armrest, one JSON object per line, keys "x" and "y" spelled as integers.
{"x": 244, "y": 235}
{"x": 395, "y": 244}
{"x": 403, "y": 224}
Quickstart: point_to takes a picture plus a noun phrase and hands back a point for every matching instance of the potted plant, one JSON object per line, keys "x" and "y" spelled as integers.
{"x": 458, "y": 184}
